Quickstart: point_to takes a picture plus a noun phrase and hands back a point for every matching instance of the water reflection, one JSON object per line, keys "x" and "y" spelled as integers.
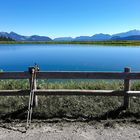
{"x": 69, "y": 57}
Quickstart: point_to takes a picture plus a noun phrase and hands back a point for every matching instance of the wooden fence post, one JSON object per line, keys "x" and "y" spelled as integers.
{"x": 35, "y": 101}
{"x": 126, "y": 88}
{"x": 35, "y": 96}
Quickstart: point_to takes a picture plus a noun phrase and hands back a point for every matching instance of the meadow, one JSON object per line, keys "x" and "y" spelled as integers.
{"x": 108, "y": 42}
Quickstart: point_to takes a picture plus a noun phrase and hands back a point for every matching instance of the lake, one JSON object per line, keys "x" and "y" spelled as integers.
{"x": 51, "y": 57}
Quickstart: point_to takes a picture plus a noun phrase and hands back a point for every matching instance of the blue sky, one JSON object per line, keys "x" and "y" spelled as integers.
{"x": 57, "y": 18}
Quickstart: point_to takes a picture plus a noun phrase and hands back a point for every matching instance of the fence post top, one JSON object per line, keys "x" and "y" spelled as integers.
{"x": 127, "y": 69}
{"x": 33, "y": 69}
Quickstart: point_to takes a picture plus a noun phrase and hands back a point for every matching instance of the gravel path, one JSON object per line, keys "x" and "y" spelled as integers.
{"x": 72, "y": 131}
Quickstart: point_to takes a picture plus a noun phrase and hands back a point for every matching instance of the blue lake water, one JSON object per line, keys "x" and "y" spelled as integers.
{"x": 69, "y": 57}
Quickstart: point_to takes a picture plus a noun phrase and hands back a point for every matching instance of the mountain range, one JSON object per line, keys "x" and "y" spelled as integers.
{"x": 130, "y": 35}
{"x": 18, "y": 37}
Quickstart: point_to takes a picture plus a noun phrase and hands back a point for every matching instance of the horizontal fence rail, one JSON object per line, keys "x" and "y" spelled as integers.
{"x": 66, "y": 92}
{"x": 14, "y": 75}
{"x": 87, "y": 75}
{"x": 72, "y": 75}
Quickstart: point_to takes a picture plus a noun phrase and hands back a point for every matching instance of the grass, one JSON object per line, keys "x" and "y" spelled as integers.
{"x": 107, "y": 42}
{"x": 68, "y": 106}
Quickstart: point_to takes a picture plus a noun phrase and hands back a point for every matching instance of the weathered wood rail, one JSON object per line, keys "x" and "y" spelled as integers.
{"x": 127, "y": 75}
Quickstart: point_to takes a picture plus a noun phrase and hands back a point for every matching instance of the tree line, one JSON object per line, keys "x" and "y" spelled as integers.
{"x": 3, "y": 38}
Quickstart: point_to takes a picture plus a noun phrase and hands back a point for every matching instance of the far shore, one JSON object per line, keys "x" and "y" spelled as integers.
{"x": 107, "y": 42}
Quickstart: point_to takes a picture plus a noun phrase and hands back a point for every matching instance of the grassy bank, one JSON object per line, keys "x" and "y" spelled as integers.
{"x": 109, "y": 42}
{"x": 68, "y": 106}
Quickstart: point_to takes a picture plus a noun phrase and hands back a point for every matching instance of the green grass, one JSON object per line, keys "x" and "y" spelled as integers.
{"x": 68, "y": 106}
{"x": 109, "y": 42}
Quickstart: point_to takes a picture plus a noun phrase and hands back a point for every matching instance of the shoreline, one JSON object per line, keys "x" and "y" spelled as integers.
{"x": 109, "y": 42}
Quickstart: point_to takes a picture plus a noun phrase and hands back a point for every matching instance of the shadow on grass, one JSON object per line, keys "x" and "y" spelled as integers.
{"x": 118, "y": 113}
{"x": 18, "y": 114}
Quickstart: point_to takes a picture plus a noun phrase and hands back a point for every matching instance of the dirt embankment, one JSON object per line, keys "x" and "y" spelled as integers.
{"x": 106, "y": 130}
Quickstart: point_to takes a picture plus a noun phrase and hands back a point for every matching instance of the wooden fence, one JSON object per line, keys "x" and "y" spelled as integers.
{"x": 127, "y": 75}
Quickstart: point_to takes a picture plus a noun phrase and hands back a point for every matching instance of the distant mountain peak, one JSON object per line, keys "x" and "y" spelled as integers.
{"x": 134, "y": 30}
{"x": 19, "y": 37}
{"x": 4, "y": 34}
{"x": 13, "y": 33}
{"x": 128, "y": 33}
{"x": 134, "y": 37}
{"x": 63, "y": 39}
{"x": 100, "y": 34}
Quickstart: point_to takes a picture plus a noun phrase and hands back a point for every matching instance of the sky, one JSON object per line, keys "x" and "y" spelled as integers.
{"x": 58, "y": 18}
